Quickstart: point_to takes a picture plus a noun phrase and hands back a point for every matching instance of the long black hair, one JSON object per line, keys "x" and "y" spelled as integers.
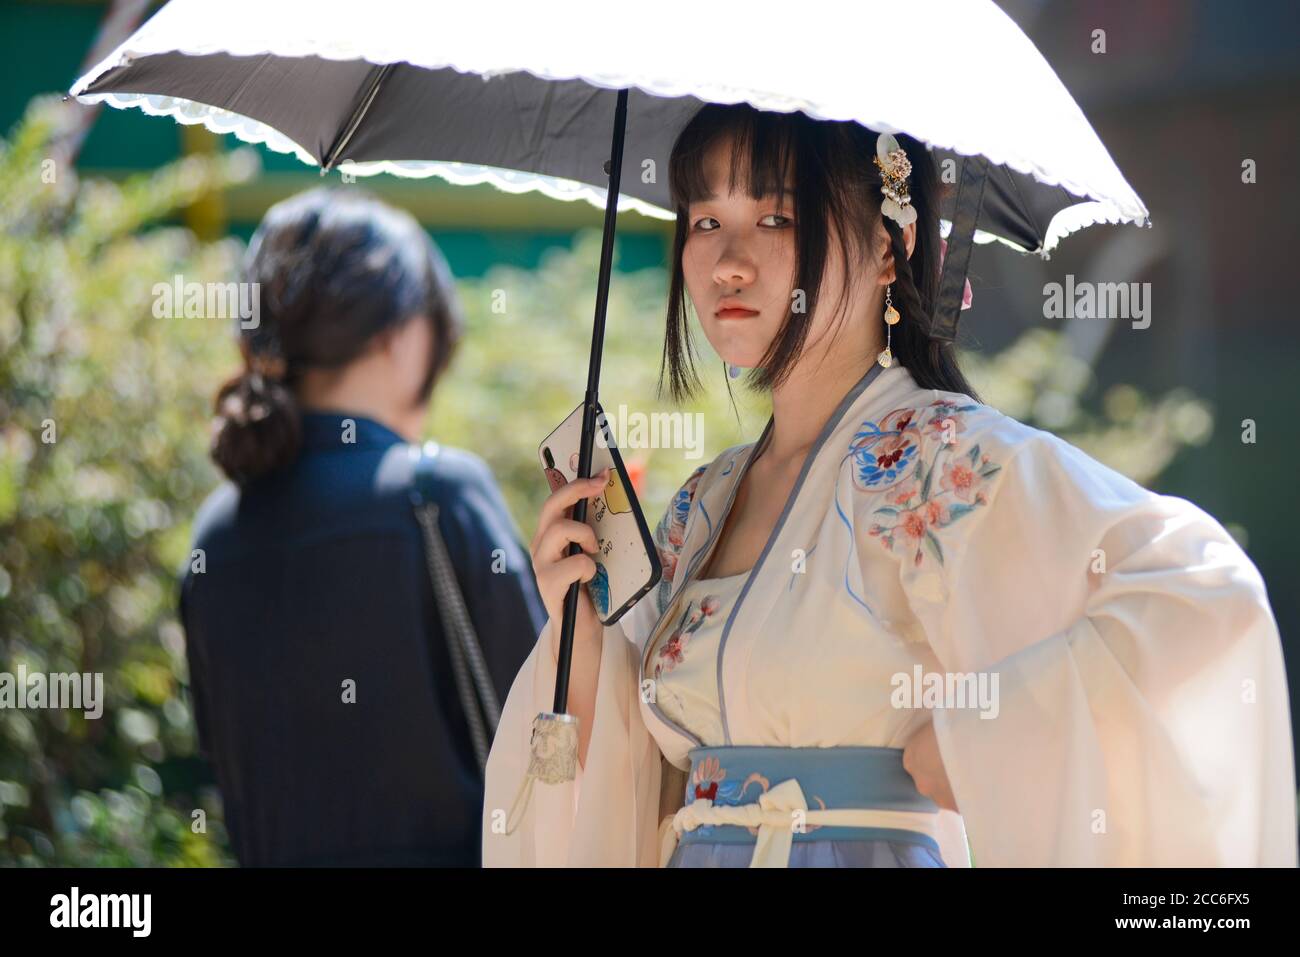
{"x": 335, "y": 267}
{"x": 837, "y": 186}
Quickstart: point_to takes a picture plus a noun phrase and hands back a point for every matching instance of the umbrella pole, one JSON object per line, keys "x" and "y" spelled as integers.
{"x": 614, "y": 169}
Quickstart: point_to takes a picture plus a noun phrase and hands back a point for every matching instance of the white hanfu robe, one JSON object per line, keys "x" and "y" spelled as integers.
{"x": 1135, "y": 708}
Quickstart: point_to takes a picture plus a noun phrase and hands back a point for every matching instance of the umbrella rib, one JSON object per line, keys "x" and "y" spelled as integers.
{"x": 358, "y": 114}
{"x": 1039, "y": 233}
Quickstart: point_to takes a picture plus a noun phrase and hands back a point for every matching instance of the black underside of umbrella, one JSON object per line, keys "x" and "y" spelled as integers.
{"x": 352, "y": 110}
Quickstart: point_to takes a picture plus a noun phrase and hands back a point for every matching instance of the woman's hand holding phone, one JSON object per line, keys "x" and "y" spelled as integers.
{"x": 555, "y": 569}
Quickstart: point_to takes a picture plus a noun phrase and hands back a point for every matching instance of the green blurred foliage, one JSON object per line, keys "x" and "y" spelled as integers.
{"x": 103, "y": 410}
{"x": 95, "y": 523}
{"x": 1038, "y": 381}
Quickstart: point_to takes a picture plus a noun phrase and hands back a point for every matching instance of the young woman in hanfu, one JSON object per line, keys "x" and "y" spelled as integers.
{"x": 1126, "y": 701}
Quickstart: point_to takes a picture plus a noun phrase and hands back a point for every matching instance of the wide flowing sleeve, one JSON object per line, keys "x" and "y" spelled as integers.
{"x": 609, "y": 815}
{"x": 1139, "y": 704}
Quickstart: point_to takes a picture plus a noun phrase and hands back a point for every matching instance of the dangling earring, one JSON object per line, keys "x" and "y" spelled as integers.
{"x": 886, "y": 358}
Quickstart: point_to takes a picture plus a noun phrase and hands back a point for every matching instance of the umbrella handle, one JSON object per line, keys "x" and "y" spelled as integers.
{"x": 614, "y": 167}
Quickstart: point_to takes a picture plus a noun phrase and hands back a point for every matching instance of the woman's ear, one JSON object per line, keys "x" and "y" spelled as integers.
{"x": 887, "y": 271}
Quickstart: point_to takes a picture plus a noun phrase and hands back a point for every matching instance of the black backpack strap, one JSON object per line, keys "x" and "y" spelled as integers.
{"x": 473, "y": 682}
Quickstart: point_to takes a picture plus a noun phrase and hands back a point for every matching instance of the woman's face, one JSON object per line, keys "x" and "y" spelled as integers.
{"x": 741, "y": 252}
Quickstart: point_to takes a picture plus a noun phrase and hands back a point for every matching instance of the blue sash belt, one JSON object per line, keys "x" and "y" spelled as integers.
{"x": 830, "y": 779}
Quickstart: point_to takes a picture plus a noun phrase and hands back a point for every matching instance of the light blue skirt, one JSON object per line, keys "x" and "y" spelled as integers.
{"x": 820, "y": 853}
{"x": 846, "y": 777}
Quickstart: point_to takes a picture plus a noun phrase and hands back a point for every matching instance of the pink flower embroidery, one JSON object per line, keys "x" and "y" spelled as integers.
{"x": 668, "y": 561}
{"x": 673, "y": 651}
{"x": 902, "y": 497}
{"x": 936, "y": 513}
{"x": 960, "y": 480}
{"x": 913, "y": 525}
{"x": 937, "y": 481}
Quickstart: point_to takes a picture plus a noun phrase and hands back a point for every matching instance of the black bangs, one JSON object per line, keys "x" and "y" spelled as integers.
{"x": 768, "y": 140}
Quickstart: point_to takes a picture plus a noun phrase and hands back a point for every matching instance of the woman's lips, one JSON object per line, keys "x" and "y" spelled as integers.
{"x": 736, "y": 313}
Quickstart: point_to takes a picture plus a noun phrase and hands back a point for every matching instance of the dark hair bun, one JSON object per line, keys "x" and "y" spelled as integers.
{"x": 257, "y": 429}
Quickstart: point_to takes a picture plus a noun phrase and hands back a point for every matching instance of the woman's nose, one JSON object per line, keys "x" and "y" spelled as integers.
{"x": 734, "y": 267}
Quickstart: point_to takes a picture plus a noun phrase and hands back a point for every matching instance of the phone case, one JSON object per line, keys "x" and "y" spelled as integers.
{"x": 627, "y": 562}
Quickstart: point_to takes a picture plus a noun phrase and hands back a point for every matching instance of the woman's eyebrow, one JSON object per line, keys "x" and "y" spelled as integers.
{"x": 710, "y": 196}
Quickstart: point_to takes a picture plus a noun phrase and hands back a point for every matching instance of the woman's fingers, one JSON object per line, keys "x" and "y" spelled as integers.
{"x": 565, "y": 497}
{"x": 553, "y": 545}
{"x": 574, "y": 568}
{"x": 554, "y": 568}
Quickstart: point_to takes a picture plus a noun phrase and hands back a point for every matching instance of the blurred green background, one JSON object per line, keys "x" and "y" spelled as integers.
{"x": 94, "y": 525}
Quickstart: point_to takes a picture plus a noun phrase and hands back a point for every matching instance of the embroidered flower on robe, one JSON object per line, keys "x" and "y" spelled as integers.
{"x": 673, "y": 651}
{"x": 931, "y": 480}
{"x": 670, "y": 536}
{"x": 883, "y": 453}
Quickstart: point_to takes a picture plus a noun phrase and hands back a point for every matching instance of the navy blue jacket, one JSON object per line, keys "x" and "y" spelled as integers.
{"x": 315, "y": 577}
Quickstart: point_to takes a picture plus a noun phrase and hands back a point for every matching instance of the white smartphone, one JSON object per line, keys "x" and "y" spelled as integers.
{"x": 627, "y": 561}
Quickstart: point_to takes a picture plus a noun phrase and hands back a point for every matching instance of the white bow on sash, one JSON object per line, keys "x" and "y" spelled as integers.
{"x": 775, "y": 815}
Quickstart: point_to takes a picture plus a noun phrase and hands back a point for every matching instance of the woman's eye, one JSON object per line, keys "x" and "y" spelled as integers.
{"x": 700, "y": 227}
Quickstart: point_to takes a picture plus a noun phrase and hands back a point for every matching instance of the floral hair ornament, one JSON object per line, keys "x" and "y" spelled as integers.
{"x": 895, "y": 168}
